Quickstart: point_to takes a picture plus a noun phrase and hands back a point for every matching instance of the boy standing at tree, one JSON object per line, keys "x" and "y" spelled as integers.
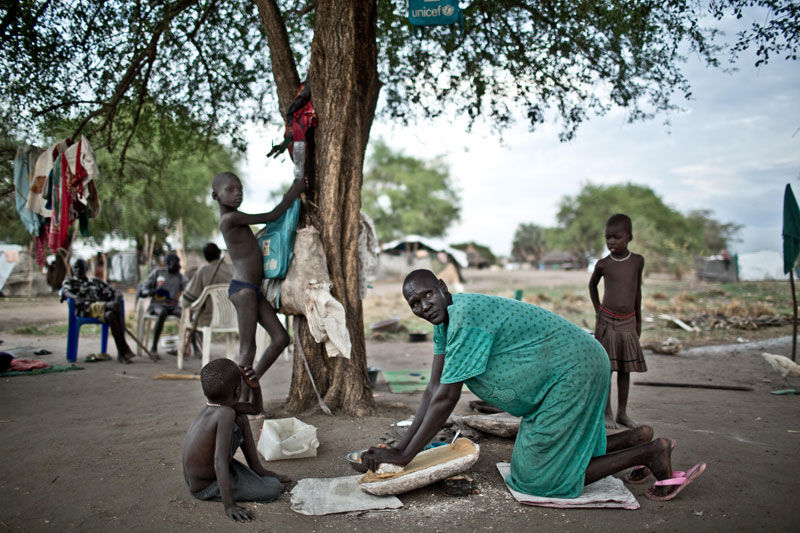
{"x": 244, "y": 290}
{"x": 209, "y": 468}
{"x": 619, "y": 317}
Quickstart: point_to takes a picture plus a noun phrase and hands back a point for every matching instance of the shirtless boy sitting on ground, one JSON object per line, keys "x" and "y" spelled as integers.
{"x": 248, "y": 269}
{"x": 209, "y": 468}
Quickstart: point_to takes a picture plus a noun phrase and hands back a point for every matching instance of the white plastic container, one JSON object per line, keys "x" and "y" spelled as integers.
{"x": 287, "y": 438}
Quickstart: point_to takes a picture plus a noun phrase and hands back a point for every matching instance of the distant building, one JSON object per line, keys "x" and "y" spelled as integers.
{"x": 560, "y": 260}
{"x": 478, "y": 255}
{"x": 399, "y": 257}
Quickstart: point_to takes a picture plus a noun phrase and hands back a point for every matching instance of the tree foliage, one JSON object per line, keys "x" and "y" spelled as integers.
{"x": 536, "y": 60}
{"x": 667, "y": 238}
{"x": 773, "y": 33}
{"x": 405, "y": 195}
{"x": 529, "y": 244}
{"x": 86, "y": 60}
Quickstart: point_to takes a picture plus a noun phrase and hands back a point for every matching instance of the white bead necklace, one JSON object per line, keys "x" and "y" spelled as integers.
{"x": 620, "y": 260}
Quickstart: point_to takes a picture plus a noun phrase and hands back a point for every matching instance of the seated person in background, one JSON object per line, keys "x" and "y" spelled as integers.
{"x": 95, "y": 298}
{"x": 164, "y": 285}
{"x": 209, "y": 468}
{"x": 215, "y": 271}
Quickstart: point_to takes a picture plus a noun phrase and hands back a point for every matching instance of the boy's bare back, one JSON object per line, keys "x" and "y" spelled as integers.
{"x": 213, "y": 424}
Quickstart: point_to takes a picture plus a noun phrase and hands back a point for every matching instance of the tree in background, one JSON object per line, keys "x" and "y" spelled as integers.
{"x": 529, "y": 244}
{"x": 405, "y": 195}
{"x": 713, "y": 236}
{"x": 565, "y": 61}
{"x": 668, "y": 239}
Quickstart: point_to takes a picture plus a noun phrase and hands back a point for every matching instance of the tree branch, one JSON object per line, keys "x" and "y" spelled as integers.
{"x": 133, "y": 70}
{"x": 284, "y": 68}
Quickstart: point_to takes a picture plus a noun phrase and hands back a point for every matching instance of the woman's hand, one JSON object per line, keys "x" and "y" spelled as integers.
{"x": 382, "y": 454}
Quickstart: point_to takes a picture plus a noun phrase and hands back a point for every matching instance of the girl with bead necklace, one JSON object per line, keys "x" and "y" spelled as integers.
{"x": 619, "y": 317}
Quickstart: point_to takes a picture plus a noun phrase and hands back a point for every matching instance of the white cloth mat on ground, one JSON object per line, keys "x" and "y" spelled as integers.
{"x": 608, "y": 492}
{"x": 315, "y": 496}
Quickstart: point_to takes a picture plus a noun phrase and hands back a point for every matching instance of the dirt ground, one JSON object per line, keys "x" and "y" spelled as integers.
{"x": 99, "y": 448}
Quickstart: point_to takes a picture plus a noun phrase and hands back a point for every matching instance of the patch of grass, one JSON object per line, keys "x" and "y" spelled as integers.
{"x": 29, "y": 330}
{"x": 683, "y": 299}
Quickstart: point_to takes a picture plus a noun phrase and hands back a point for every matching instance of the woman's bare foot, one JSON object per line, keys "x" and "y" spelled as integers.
{"x": 640, "y": 474}
{"x": 667, "y": 489}
{"x": 660, "y": 464}
{"x": 610, "y": 424}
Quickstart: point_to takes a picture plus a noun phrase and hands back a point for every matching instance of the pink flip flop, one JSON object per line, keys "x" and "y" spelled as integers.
{"x": 679, "y": 479}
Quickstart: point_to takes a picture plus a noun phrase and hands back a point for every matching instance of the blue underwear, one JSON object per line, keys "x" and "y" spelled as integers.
{"x": 237, "y": 285}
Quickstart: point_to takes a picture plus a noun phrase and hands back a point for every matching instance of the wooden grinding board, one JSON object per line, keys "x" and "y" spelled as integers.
{"x": 427, "y": 467}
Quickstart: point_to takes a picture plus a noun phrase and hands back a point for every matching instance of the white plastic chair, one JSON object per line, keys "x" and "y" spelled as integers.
{"x": 223, "y": 320}
{"x": 145, "y": 322}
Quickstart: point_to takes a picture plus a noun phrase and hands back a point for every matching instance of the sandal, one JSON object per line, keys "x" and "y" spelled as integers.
{"x": 91, "y": 358}
{"x": 679, "y": 479}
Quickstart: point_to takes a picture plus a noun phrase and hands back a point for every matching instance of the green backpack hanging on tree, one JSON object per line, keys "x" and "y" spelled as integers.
{"x": 276, "y": 242}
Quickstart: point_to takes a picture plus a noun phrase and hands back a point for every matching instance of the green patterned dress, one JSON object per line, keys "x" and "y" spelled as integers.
{"x": 537, "y": 365}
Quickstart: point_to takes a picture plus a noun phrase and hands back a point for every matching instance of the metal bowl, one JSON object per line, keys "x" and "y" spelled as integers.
{"x": 354, "y": 458}
{"x": 417, "y": 336}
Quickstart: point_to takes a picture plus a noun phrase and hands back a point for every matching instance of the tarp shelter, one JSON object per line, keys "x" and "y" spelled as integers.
{"x": 401, "y": 256}
{"x": 761, "y": 265}
{"x": 9, "y": 257}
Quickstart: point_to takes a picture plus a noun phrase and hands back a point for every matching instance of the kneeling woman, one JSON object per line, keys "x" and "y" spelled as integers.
{"x": 534, "y": 364}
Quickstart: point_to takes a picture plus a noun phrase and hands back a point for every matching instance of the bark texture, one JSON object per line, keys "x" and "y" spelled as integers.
{"x": 345, "y": 86}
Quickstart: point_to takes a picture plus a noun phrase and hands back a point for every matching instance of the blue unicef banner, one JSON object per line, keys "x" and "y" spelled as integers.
{"x": 433, "y": 12}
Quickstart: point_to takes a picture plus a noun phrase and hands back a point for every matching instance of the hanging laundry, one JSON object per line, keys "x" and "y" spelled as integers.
{"x": 61, "y": 199}
{"x": 22, "y": 168}
{"x": 38, "y": 180}
{"x": 83, "y": 166}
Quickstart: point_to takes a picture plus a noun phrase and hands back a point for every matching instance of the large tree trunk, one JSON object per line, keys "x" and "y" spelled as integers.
{"x": 344, "y": 84}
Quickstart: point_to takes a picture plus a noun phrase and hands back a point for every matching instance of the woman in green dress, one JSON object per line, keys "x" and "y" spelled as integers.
{"x": 534, "y": 364}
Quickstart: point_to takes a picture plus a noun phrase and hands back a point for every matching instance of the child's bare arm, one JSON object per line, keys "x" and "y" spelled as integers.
{"x": 222, "y": 463}
{"x": 593, "y": 282}
{"x": 237, "y": 218}
{"x": 251, "y": 380}
{"x": 638, "y": 302}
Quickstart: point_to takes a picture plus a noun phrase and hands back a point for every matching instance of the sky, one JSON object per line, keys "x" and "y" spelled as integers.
{"x": 732, "y": 149}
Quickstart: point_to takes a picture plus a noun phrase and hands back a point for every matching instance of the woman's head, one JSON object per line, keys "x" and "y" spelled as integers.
{"x": 427, "y": 296}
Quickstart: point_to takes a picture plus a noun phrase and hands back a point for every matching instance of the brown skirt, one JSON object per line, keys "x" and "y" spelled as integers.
{"x": 618, "y": 336}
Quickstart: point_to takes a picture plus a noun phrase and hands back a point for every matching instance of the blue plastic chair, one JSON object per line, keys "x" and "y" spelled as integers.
{"x": 75, "y": 323}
